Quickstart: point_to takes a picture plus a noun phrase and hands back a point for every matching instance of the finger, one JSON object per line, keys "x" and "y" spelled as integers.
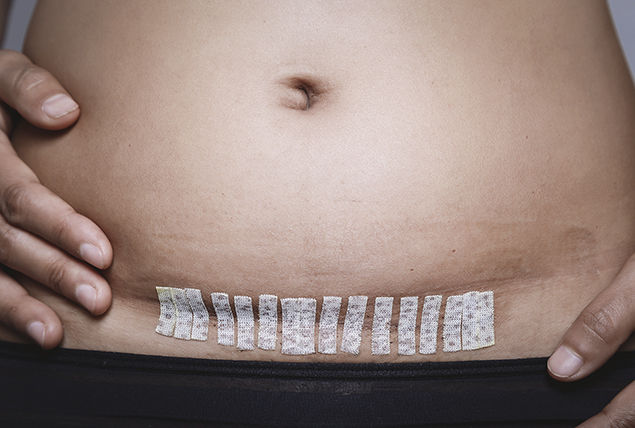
{"x": 619, "y": 413}
{"x": 23, "y": 313}
{"x": 599, "y": 330}
{"x": 54, "y": 268}
{"x": 34, "y": 93}
{"x": 26, "y": 204}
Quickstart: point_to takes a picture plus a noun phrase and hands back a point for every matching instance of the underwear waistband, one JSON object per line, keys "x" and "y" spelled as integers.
{"x": 100, "y": 388}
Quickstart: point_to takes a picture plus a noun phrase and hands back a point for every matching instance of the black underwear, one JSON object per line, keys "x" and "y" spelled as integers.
{"x": 72, "y": 388}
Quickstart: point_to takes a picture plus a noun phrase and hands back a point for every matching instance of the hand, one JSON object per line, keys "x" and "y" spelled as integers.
{"x": 41, "y": 235}
{"x": 604, "y": 325}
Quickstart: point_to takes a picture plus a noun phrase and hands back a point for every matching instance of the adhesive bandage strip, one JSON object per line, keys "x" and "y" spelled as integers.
{"x": 407, "y": 325}
{"x": 478, "y": 320}
{"x": 469, "y": 324}
{"x": 380, "y": 344}
{"x": 429, "y": 325}
{"x": 298, "y": 326}
{"x": 184, "y": 316}
{"x": 353, "y": 323}
{"x": 329, "y": 317}
{"x": 200, "y": 322}
{"x": 486, "y": 319}
{"x": 267, "y": 321}
{"x": 452, "y": 324}
{"x": 167, "y": 317}
{"x": 224, "y": 318}
{"x": 245, "y": 321}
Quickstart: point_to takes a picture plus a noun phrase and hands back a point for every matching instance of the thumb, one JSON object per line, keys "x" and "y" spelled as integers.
{"x": 34, "y": 93}
{"x": 599, "y": 330}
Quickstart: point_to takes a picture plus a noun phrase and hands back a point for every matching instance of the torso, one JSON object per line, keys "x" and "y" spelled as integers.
{"x": 448, "y": 147}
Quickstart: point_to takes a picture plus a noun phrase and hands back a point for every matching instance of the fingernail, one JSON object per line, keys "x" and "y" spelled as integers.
{"x": 86, "y": 295}
{"x": 564, "y": 362}
{"x": 58, "y": 106}
{"x": 92, "y": 255}
{"x": 37, "y": 331}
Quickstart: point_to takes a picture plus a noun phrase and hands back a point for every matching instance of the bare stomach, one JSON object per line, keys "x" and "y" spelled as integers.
{"x": 408, "y": 150}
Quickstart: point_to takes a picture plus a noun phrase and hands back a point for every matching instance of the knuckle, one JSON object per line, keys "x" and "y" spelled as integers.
{"x": 601, "y": 322}
{"x": 10, "y": 56}
{"x": 9, "y": 312}
{"x": 15, "y": 200}
{"x": 620, "y": 419}
{"x": 27, "y": 78}
{"x": 55, "y": 274}
{"x": 6, "y": 119}
{"x": 63, "y": 228}
{"x": 7, "y": 238}
{"x": 619, "y": 413}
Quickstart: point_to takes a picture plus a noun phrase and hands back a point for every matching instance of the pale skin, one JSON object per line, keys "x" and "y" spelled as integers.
{"x": 44, "y": 238}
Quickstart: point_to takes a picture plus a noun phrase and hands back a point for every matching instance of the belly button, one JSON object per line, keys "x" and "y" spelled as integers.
{"x": 300, "y": 93}
{"x": 295, "y": 98}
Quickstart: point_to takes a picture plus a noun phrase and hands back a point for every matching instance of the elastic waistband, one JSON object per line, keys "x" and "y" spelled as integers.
{"x": 276, "y": 370}
{"x": 96, "y": 387}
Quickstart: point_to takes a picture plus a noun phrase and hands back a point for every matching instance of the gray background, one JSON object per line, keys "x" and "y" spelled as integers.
{"x": 623, "y": 15}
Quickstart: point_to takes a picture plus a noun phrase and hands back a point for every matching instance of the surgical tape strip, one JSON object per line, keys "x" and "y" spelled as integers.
{"x": 298, "y": 326}
{"x": 486, "y": 319}
{"x": 353, "y": 323}
{"x": 407, "y": 325}
{"x": 329, "y": 317}
{"x": 183, "y": 327}
{"x": 469, "y": 323}
{"x": 478, "y": 320}
{"x": 224, "y": 318}
{"x": 267, "y": 321}
{"x": 167, "y": 316}
{"x": 429, "y": 325}
{"x": 380, "y": 344}
{"x": 245, "y": 321}
{"x": 452, "y": 324}
{"x": 200, "y": 323}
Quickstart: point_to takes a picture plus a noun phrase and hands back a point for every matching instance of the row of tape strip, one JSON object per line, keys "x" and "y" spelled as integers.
{"x": 468, "y": 322}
